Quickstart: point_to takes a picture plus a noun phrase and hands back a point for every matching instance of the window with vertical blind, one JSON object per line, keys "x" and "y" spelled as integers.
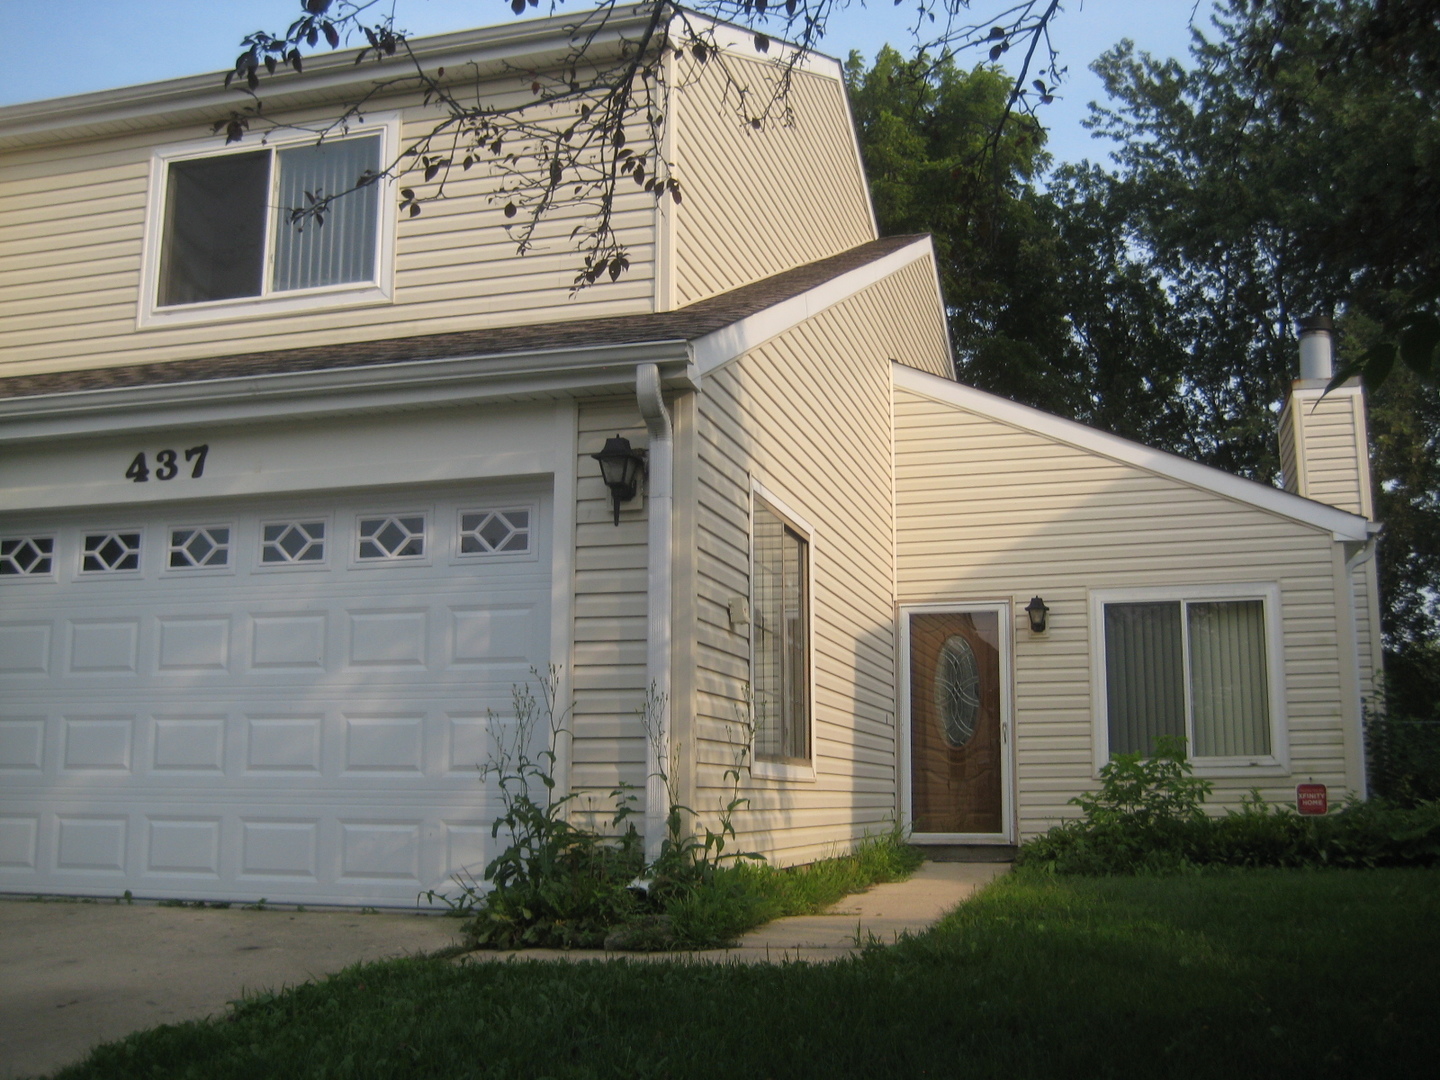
{"x": 1198, "y": 667}
{"x": 223, "y": 233}
{"x": 780, "y": 628}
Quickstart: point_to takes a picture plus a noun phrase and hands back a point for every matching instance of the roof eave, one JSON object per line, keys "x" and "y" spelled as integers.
{"x": 1341, "y": 524}
{"x": 458, "y": 380}
{"x": 326, "y": 77}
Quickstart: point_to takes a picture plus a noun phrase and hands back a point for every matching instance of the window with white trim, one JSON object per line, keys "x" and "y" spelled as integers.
{"x": 391, "y": 538}
{"x": 199, "y": 548}
{"x": 1195, "y": 667}
{"x": 780, "y": 628}
{"x": 495, "y": 532}
{"x": 227, "y": 233}
{"x": 110, "y": 552}
{"x": 27, "y": 556}
{"x": 292, "y": 543}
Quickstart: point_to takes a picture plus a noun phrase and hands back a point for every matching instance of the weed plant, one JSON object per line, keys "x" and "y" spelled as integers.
{"x": 556, "y": 884}
{"x": 1148, "y": 817}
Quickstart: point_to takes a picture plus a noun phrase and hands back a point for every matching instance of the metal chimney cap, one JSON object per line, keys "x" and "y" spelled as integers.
{"x": 1317, "y": 349}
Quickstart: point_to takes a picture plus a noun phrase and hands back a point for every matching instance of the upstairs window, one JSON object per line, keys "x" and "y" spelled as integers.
{"x": 227, "y": 231}
{"x": 223, "y": 240}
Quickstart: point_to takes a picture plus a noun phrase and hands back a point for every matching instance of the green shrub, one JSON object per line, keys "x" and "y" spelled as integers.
{"x": 1148, "y": 817}
{"x": 1403, "y": 758}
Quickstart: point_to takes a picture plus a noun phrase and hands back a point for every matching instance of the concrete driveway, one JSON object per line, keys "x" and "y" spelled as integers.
{"x": 73, "y": 975}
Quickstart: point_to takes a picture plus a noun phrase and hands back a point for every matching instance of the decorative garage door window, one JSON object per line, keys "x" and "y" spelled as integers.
{"x": 393, "y": 537}
{"x": 494, "y": 532}
{"x": 27, "y": 556}
{"x": 109, "y": 552}
{"x": 197, "y": 548}
{"x": 284, "y": 543}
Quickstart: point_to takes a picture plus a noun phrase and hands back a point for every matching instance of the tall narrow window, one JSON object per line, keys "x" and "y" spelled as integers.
{"x": 781, "y": 628}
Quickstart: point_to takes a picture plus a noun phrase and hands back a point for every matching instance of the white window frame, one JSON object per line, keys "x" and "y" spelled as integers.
{"x": 529, "y": 554}
{"x": 1277, "y": 762}
{"x": 50, "y": 575}
{"x": 81, "y": 574}
{"x": 379, "y": 290}
{"x": 327, "y": 550}
{"x": 225, "y": 568}
{"x": 765, "y": 769}
{"x": 427, "y": 558}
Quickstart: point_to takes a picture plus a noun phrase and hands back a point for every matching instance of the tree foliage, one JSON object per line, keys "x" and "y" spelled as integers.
{"x": 1047, "y": 303}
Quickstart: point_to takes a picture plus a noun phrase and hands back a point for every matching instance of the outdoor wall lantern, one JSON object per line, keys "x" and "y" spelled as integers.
{"x": 1037, "y": 610}
{"x": 622, "y": 468}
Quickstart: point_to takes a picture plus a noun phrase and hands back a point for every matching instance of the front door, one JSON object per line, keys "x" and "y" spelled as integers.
{"x": 959, "y": 746}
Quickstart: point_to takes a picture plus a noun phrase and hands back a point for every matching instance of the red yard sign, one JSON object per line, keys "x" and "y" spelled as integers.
{"x": 1311, "y": 799}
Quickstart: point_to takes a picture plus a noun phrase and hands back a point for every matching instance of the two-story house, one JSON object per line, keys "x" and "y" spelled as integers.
{"x": 285, "y": 516}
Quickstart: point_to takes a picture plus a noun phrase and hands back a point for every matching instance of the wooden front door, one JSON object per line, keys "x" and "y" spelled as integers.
{"x": 958, "y": 759}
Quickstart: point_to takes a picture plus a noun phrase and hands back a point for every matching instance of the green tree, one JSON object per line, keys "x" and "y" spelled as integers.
{"x": 1294, "y": 166}
{"x": 1047, "y": 304}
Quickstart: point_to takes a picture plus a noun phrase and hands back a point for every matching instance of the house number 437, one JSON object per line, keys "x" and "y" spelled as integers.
{"x": 168, "y": 464}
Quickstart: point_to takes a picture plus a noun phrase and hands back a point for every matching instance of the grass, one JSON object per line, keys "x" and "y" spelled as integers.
{"x": 1253, "y": 973}
{"x": 740, "y": 898}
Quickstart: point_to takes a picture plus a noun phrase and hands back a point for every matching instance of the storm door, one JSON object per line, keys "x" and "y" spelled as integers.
{"x": 959, "y": 746}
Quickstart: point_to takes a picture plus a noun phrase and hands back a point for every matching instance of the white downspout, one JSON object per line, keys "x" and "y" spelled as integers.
{"x": 1355, "y": 555}
{"x": 658, "y": 765}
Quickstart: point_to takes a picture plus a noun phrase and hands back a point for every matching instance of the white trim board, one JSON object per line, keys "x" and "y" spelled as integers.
{"x": 719, "y": 347}
{"x": 1340, "y": 524}
{"x": 383, "y": 387}
{"x": 493, "y": 49}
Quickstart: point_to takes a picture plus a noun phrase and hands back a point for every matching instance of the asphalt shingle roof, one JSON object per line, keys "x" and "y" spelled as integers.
{"x": 684, "y": 324}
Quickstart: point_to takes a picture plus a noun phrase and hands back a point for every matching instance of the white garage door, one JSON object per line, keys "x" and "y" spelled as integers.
{"x": 279, "y": 700}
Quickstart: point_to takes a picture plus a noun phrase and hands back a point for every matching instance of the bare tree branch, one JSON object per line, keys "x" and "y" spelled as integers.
{"x": 593, "y": 121}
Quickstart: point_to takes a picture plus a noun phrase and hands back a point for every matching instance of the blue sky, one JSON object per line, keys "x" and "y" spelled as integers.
{"x": 60, "y": 47}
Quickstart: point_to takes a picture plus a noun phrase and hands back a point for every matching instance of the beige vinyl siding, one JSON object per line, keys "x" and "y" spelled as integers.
{"x": 1324, "y": 452}
{"x": 1325, "y": 455}
{"x": 926, "y": 343}
{"x": 72, "y": 232}
{"x": 807, "y": 415}
{"x": 611, "y": 577}
{"x": 987, "y": 511}
{"x": 759, "y": 202}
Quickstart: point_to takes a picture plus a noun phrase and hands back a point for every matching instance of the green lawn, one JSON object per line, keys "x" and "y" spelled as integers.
{"x": 1256, "y": 973}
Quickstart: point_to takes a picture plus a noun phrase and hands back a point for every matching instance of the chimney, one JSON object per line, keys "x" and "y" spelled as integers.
{"x": 1324, "y": 445}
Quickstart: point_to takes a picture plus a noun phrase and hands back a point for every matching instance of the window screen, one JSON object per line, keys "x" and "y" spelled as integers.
{"x": 215, "y": 217}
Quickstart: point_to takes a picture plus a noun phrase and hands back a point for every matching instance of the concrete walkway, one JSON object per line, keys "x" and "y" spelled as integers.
{"x": 76, "y": 974}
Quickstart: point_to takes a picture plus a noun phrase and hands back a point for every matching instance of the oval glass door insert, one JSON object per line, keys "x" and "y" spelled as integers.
{"x": 957, "y": 691}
